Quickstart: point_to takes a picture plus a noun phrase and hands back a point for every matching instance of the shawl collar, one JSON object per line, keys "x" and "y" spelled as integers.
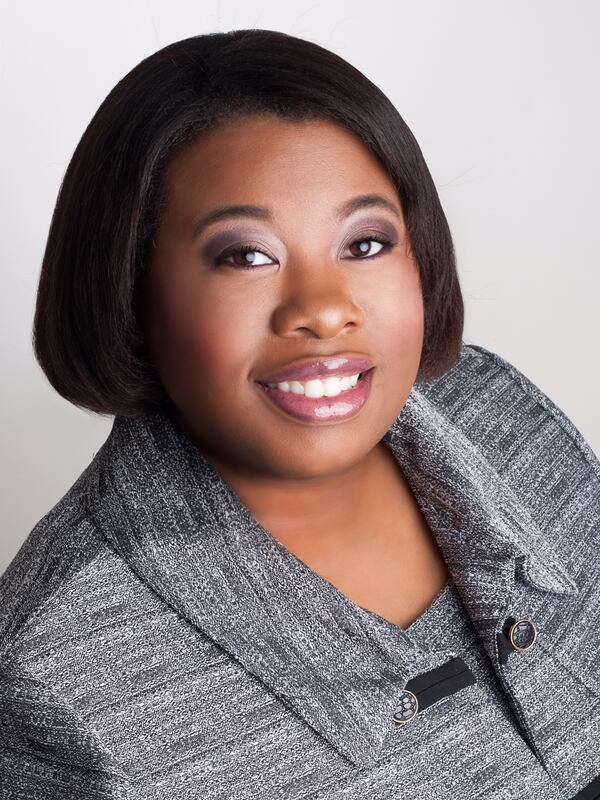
{"x": 186, "y": 534}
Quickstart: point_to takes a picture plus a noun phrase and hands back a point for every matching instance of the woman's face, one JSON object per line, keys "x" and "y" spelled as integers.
{"x": 311, "y": 288}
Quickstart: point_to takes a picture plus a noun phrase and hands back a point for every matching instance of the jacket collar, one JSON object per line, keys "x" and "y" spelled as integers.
{"x": 182, "y": 529}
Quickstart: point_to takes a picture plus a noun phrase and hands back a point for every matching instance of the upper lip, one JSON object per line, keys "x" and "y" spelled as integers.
{"x": 323, "y": 367}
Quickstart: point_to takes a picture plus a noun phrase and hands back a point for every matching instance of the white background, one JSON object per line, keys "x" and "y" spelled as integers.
{"x": 501, "y": 96}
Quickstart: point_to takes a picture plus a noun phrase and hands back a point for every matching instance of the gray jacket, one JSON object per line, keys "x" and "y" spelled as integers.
{"x": 157, "y": 642}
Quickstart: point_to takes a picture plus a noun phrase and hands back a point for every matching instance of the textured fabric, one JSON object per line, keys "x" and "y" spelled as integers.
{"x": 483, "y": 708}
{"x": 157, "y": 642}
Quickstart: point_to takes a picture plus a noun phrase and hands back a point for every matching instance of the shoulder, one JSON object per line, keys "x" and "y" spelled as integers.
{"x": 65, "y": 585}
{"x": 505, "y": 412}
{"x": 74, "y": 615}
{"x": 56, "y": 548}
{"x": 533, "y": 446}
{"x": 49, "y": 597}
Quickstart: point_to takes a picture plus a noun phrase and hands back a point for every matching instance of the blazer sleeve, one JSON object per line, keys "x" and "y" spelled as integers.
{"x": 47, "y": 751}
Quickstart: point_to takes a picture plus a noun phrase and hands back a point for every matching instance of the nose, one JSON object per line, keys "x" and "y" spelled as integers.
{"x": 318, "y": 305}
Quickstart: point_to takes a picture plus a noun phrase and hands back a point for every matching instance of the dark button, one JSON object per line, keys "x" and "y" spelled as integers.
{"x": 407, "y": 708}
{"x": 517, "y": 635}
{"x": 522, "y": 634}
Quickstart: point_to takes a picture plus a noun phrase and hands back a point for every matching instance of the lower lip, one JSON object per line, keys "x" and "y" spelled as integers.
{"x": 322, "y": 409}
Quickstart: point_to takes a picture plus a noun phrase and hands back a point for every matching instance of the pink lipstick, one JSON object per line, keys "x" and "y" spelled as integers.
{"x": 320, "y": 368}
{"x": 342, "y": 407}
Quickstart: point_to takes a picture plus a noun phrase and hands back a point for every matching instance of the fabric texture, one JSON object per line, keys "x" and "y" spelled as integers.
{"x": 156, "y": 641}
{"x": 483, "y": 706}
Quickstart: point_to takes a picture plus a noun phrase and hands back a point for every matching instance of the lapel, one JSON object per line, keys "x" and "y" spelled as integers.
{"x": 186, "y": 534}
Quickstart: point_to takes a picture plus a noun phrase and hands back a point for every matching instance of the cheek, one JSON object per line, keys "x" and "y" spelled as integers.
{"x": 400, "y": 313}
{"x": 201, "y": 337}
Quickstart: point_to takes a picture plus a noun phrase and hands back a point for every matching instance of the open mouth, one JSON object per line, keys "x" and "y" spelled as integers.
{"x": 322, "y": 408}
{"x": 348, "y": 388}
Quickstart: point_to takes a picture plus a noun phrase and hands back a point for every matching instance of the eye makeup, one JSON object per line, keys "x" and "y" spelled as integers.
{"x": 233, "y": 239}
{"x": 375, "y": 227}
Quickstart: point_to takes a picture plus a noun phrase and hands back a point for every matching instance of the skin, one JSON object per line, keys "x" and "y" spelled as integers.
{"x": 331, "y": 493}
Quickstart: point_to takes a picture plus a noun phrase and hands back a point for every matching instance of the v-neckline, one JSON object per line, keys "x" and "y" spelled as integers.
{"x": 437, "y": 601}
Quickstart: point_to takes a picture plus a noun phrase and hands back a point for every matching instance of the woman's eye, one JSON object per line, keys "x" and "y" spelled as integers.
{"x": 249, "y": 256}
{"x": 366, "y": 242}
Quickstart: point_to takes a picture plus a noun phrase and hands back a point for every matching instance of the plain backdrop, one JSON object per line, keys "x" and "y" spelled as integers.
{"x": 501, "y": 96}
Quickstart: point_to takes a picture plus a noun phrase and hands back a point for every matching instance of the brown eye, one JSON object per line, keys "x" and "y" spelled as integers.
{"x": 365, "y": 244}
{"x": 243, "y": 251}
{"x": 250, "y": 255}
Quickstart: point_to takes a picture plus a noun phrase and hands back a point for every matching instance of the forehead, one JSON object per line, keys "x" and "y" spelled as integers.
{"x": 265, "y": 159}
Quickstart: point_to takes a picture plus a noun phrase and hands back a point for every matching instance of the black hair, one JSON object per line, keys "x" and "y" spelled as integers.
{"x": 87, "y": 331}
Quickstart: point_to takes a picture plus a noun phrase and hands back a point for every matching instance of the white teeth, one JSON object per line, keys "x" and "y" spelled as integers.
{"x": 328, "y": 387}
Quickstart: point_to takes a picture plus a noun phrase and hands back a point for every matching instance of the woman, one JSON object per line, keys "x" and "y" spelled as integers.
{"x": 328, "y": 549}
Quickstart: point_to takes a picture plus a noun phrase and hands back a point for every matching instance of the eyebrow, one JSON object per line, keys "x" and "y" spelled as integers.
{"x": 264, "y": 214}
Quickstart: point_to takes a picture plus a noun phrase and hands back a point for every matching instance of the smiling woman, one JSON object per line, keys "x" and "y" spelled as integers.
{"x": 238, "y": 133}
{"x": 305, "y": 301}
{"x": 327, "y": 547}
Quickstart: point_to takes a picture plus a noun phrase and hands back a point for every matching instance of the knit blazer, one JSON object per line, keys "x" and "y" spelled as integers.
{"x": 157, "y": 642}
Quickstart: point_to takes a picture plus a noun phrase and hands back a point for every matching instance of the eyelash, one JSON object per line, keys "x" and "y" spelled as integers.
{"x": 251, "y": 248}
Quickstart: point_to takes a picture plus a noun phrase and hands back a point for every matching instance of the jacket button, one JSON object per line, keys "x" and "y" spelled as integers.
{"x": 407, "y": 707}
{"x": 522, "y": 634}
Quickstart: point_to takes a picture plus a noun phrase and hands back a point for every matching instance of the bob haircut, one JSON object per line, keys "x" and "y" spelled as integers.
{"x": 88, "y": 332}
